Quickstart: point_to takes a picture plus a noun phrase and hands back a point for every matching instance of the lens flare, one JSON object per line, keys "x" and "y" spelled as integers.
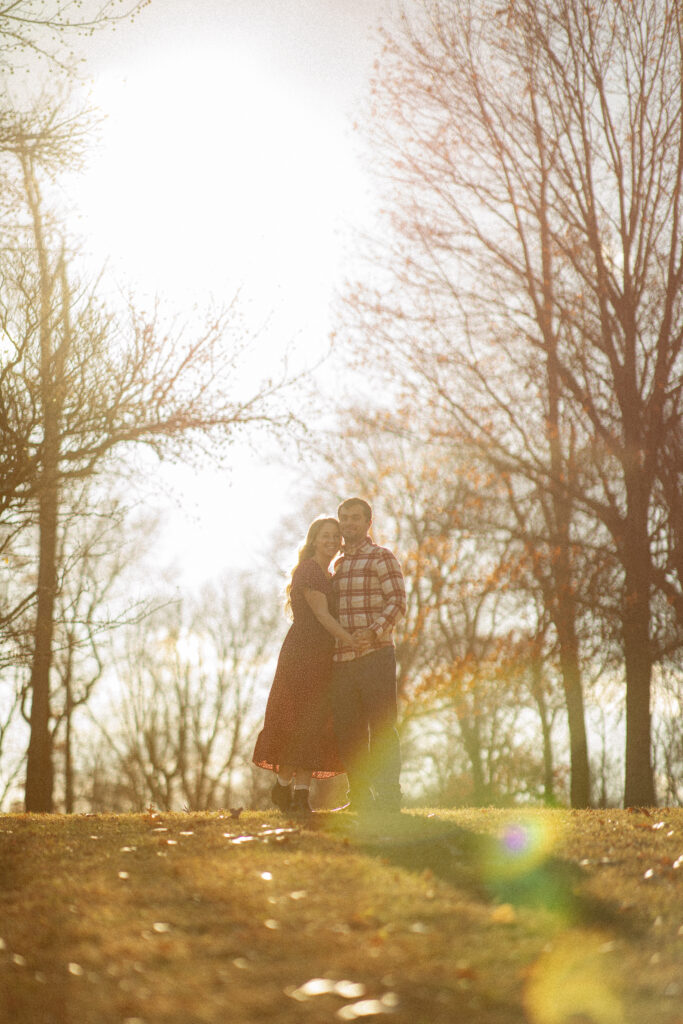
{"x": 519, "y": 868}
{"x": 521, "y": 846}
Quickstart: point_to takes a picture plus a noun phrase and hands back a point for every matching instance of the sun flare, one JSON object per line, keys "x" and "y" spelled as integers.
{"x": 212, "y": 173}
{"x": 216, "y": 173}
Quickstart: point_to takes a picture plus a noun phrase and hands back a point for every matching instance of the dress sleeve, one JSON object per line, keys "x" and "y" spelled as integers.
{"x": 309, "y": 576}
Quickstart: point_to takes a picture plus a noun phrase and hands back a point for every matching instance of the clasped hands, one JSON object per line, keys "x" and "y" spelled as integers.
{"x": 363, "y": 640}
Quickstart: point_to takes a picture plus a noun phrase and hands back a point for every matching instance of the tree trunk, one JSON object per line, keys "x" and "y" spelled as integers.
{"x": 639, "y": 782}
{"x": 39, "y": 770}
{"x": 639, "y": 787}
{"x": 469, "y": 730}
{"x": 548, "y": 766}
{"x": 68, "y": 741}
{"x": 580, "y": 782}
{"x": 636, "y": 556}
{"x": 562, "y": 603}
{"x": 562, "y": 607}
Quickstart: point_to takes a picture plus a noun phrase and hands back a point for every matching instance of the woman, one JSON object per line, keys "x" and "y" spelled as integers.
{"x": 297, "y": 741}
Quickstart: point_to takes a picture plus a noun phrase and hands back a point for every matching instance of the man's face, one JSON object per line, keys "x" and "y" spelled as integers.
{"x": 353, "y": 523}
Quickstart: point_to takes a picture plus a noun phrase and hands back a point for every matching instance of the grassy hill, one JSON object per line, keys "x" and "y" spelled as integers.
{"x": 484, "y": 917}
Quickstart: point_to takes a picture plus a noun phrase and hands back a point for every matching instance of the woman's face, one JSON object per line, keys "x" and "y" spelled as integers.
{"x": 327, "y": 542}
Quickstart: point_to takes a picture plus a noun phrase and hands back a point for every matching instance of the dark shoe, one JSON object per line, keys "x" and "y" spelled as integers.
{"x": 300, "y": 804}
{"x": 281, "y": 796}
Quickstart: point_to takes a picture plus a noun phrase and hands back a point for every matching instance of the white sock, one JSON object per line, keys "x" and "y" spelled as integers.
{"x": 302, "y": 786}
{"x": 283, "y": 782}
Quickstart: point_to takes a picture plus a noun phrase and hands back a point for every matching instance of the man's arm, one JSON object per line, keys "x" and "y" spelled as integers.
{"x": 394, "y": 592}
{"x": 317, "y": 602}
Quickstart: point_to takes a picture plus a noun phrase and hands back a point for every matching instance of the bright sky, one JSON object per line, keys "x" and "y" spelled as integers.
{"x": 228, "y": 160}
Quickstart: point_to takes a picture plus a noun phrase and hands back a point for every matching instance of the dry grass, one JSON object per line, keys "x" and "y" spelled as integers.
{"x": 482, "y": 917}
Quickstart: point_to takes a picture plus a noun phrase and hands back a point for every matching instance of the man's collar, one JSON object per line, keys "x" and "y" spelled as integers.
{"x": 366, "y": 543}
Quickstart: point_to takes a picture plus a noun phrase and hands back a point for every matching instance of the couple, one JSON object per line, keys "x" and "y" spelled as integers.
{"x": 332, "y": 705}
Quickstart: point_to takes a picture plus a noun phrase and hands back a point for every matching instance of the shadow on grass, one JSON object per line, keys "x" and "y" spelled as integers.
{"x": 516, "y": 866}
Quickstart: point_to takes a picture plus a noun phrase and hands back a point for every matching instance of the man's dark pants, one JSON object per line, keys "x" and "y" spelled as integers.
{"x": 363, "y": 697}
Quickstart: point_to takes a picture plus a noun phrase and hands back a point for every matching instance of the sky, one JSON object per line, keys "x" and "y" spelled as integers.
{"x": 228, "y": 161}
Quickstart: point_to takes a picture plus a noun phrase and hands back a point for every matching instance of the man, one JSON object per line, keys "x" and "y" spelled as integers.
{"x": 371, "y": 598}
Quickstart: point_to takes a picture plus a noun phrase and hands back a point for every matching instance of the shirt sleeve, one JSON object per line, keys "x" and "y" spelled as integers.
{"x": 309, "y": 576}
{"x": 393, "y": 589}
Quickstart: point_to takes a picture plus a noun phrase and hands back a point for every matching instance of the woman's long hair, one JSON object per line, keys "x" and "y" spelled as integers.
{"x": 307, "y": 551}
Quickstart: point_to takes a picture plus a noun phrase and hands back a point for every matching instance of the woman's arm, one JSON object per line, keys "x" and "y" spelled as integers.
{"x": 318, "y": 605}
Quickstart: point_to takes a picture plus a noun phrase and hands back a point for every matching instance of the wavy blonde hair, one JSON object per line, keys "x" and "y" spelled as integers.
{"x": 308, "y": 550}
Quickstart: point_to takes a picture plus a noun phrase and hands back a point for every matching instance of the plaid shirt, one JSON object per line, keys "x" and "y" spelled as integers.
{"x": 370, "y": 594}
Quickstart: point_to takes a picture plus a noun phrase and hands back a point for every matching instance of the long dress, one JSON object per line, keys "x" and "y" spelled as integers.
{"x": 297, "y": 729}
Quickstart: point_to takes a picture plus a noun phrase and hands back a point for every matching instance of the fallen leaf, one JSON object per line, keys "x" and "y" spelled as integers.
{"x": 504, "y": 914}
{"x": 349, "y": 989}
{"x": 312, "y": 987}
{"x": 368, "y": 1007}
{"x": 465, "y": 971}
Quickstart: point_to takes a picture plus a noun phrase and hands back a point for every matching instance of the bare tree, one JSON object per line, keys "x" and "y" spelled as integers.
{"x": 43, "y": 28}
{"x": 183, "y": 734}
{"x": 11, "y": 762}
{"x": 84, "y": 385}
{"x": 533, "y": 161}
{"x": 101, "y": 542}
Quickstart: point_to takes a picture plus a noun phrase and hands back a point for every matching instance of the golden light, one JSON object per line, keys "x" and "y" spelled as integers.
{"x": 575, "y": 980}
{"x": 215, "y": 173}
